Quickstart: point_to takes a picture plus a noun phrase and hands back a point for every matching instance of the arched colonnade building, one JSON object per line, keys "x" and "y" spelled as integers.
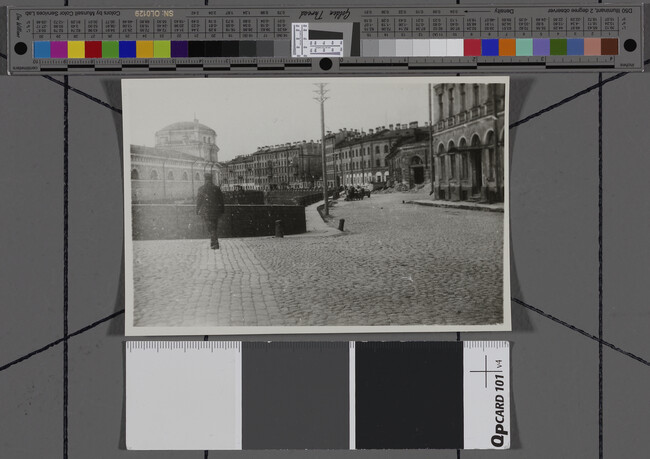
{"x": 465, "y": 156}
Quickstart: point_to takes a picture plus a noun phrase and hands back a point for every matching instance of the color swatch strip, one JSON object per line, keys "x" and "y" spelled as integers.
{"x": 455, "y": 47}
{"x": 198, "y": 395}
{"x": 490, "y": 47}
{"x": 159, "y": 49}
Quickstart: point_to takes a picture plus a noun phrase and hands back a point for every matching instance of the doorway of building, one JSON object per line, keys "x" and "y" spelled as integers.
{"x": 417, "y": 169}
{"x": 477, "y": 172}
{"x": 418, "y": 175}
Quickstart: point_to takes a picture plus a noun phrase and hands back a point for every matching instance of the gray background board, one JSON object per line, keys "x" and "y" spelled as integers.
{"x": 556, "y": 237}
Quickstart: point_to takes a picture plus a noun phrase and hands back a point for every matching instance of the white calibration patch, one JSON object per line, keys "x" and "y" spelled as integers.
{"x": 303, "y": 46}
{"x": 486, "y": 387}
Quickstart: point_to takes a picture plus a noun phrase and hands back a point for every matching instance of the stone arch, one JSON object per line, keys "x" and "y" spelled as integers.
{"x": 489, "y": 138}
{"x": 153, "y": 175}
{"x": 135, "y": 174}
{"x": 170, "y": 175}
{"x": 185, "y": 177}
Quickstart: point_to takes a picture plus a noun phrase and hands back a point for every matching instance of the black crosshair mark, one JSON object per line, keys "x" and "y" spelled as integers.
{"x": 486, "y": 371}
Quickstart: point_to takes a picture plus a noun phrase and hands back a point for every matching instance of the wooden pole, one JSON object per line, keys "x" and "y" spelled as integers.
{"x": 320, "y": 92}
{"x": 430, "y": 155}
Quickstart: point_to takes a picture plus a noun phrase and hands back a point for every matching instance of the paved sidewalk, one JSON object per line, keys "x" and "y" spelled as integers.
{"x": 185, "y": 283}
{"x": 498, "y": 207}
{"x": 315, "y": 224}
{"x": 394, "y": 264}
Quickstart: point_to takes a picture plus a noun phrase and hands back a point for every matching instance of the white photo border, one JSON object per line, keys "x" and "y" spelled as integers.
{"x": 131, "y": 330}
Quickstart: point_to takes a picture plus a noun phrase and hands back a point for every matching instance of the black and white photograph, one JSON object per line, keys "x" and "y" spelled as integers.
{"x": 316, "y": 205}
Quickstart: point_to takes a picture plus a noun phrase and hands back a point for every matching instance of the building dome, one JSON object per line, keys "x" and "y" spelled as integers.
{"x": 187, "y": 125}
{"x": 190, "y": 137}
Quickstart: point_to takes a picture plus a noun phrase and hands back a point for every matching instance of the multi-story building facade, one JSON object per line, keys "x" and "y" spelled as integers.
{"x": 173, "y": 169}
{"x": 466, "y": 153}
{"x": 289, "y": 165}
{"x": 360, "y": 157}
{"x": 331, "y": 158}
{"x": 238, "y": 171}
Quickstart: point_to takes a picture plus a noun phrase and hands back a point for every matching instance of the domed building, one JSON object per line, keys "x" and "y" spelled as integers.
{"x": 173, "y": 169}
{"x": 189, "y": 137}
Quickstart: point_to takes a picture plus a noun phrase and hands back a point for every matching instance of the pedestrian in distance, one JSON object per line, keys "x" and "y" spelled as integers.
{"x": 351, "y": 194}
{"x": 210, "y": 206}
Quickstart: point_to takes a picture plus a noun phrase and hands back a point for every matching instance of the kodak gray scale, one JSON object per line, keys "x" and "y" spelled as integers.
{"x": 319, "y": 40}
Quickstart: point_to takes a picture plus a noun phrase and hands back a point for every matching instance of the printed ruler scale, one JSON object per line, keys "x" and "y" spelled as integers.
{"x": 339, "y": 40}
{"x": 317, "y": 395}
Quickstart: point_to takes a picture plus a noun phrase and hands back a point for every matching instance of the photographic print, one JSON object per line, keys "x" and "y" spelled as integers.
{"x": 316, "y": 205}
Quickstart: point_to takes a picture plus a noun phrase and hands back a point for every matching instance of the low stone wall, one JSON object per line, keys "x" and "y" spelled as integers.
{"x": 244, "y": 197}
{"x": 163, "y": 191}
{"x": 168, "y": 221}
{"x": 151, "y": 192}
{"x": 298, "y": 197}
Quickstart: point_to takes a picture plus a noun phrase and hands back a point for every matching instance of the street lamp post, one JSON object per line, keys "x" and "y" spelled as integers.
{"x": 321, "y": 98}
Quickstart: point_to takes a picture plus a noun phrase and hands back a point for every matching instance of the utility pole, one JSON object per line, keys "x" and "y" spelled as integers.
{"x": 433, "y": 179}
{"x": 321, "y": 97}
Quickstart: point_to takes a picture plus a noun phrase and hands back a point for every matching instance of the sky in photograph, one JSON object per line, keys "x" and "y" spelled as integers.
{"x": 253, "y": 112}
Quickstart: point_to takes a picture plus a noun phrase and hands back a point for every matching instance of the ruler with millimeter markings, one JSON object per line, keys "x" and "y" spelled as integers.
{"x": 235, "y": 395}
{"x": 338, "y": 40}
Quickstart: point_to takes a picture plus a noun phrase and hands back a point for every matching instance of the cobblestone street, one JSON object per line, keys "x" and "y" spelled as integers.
{"x": 396, "y": 264}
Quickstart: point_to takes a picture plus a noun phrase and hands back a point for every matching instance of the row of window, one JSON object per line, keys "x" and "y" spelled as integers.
{"x": 355, "y": 165}
{"x": 463, "y": 99}
{"x": 357, "y": 152}
{"x": 464, "y": 159}
{"x": 153, "y": 175}
{"x": 359, "y": 179}
{"x": 464, "y": 168}
{"x": 267, "y": 163}
{"x": 166, "y": 141}
{"x": 475, "y": 143}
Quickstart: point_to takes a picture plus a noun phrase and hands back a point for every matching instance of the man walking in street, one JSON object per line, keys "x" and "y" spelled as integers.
{"x": 210, "y": 206}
